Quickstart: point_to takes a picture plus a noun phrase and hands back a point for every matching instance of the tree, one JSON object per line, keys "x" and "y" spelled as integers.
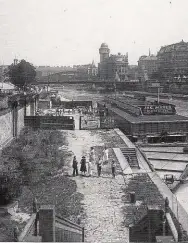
{"x": 21, "y": 74}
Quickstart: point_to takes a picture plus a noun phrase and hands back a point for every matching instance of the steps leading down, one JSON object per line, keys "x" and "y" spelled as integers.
{"x": 131, "y": 156}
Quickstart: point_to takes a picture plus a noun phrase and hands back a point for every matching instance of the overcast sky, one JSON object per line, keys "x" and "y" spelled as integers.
{"x": 67, "y": 32}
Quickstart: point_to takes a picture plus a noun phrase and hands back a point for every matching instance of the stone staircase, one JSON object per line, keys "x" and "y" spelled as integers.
{"x": 131, "y": 156}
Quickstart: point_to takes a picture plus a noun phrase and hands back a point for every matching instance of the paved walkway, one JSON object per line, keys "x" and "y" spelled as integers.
{"x": 102, "y": 204}
{"x": 102, "y": 196}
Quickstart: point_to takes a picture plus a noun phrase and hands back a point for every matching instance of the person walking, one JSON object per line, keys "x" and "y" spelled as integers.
{"x": 75, "y": 166}
{"x": 83, "y": 168}
{"x": 99, "y": 167}
{"x": 113, "y": 166}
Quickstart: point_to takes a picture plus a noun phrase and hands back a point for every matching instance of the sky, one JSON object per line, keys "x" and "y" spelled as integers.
{"x": 70, "y": 32}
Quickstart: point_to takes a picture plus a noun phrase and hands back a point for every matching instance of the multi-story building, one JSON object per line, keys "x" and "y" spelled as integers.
{"x": 173, "y": 62}
{"x": 111, "y": 66}
{"x": 147, "y": 66}
{"x": 46, "y": 70}
{"x": 133, "y": 72}
{"x": 90, "y": 70}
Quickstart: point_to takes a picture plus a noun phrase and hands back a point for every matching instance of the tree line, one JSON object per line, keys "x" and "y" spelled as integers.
{"x": 21, "y": 74}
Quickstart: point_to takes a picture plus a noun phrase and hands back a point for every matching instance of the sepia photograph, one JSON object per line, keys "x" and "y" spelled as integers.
{"x": 94, "y": 121}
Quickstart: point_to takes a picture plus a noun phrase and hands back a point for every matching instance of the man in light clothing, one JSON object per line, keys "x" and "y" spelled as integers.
{"x": 105, "y": 154}
{"x": 91, "y": 161}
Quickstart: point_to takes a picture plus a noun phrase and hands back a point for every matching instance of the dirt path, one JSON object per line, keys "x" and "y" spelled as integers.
{"x": 102, "y": 202}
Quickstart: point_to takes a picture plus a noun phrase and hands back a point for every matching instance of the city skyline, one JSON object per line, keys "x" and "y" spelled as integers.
{"x": 67, "y": 33}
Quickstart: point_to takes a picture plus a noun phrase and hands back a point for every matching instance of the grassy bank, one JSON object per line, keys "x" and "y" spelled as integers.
{"x": 35, "y": 157}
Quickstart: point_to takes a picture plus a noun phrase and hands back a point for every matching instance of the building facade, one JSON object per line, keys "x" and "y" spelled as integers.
{"x": 173, "y": 62}
{"x": 147, "y": 66}
{"x": 133, "y": 72}
{"x": 89, "y": 70}
{"x": 112, "y": 67}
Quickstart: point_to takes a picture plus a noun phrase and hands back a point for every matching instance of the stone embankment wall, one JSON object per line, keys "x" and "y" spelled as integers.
{"x": 11, "y": 124}
{"x": 20, "y": 120}
{"x": 6, "y": 127}
{"x": 12, "y": 118}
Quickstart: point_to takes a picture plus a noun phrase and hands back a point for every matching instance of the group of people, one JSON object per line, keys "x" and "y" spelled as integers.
{"x": 92, "y": 160}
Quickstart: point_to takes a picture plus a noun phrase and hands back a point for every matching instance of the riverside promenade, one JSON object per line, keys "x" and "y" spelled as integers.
{"x": 103, "y": 213}
{"x": 104, "y": 209}
{"x": 103, "y": 217}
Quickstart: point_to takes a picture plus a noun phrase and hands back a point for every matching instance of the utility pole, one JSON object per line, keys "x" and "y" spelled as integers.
{"x": 48, "y": 81}
{"x": 115, "y": 91}
{"x": 158, "y": 98}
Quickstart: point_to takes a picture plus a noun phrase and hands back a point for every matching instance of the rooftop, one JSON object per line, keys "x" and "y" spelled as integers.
{"x": 104, "y": 45}
{"x": 180, "y": 46}
{"x": 145, "y": 118}
{"x": 148, "y": 118}
{"x": 148, "y": 58}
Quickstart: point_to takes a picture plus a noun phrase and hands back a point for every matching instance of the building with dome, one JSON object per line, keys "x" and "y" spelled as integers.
{"x": 173, "y": 62}
{"x": 111, "y": 66}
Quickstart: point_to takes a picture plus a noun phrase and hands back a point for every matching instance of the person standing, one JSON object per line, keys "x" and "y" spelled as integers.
{"x": 99, "y": 167}
{"x": 113, "y": 166}
{"x": 83, "y": 168}
{"x": 89, "y": 168}
{"x": 75, "y": 166}
{"x": 91, "y": 161}
{"x": 105, "y": 154}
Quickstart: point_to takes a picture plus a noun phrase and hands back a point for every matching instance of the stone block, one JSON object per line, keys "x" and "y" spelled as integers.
{"x": 10, "y": 208}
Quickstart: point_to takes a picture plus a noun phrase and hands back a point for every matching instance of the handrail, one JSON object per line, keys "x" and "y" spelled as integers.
{"x": 183, "y": 175}
{"x": 59, "y": 219}
{"x": 28, "y": 228}
{"x": 144, "y": 156}
{"x": 66, "y": 225}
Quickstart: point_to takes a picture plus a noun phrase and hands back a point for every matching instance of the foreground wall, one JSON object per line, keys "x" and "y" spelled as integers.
{"x": 20, "y": 121}
{"x": 6, "y": 127}
{"x": 12, "y": 119}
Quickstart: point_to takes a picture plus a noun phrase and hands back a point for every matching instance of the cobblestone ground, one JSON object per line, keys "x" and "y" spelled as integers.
{"x": 103, "y": 220}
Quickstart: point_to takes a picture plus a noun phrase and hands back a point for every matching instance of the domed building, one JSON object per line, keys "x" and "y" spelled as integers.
{"x": 173, "y": 61}
{"x": 111, "y": 66}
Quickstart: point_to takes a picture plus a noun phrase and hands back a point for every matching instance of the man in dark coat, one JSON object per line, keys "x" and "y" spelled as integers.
{"x": 83, "y": 168}
{"x": 75, "y": 166}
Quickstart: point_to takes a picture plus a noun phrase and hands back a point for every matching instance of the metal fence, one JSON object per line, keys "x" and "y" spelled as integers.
{"x": 50, "y": 122}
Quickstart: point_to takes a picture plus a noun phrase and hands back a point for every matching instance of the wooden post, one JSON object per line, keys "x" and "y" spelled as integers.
{"x": 83, "y": 234}
{"x": 16, "y": 233}
{"x": 47, "y": 223}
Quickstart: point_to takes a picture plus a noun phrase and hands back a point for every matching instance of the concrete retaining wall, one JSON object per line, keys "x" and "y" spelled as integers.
{"x": 11, "y": 123}
{"x": 20, "y": 121}
{"x": 6, "y": 128}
